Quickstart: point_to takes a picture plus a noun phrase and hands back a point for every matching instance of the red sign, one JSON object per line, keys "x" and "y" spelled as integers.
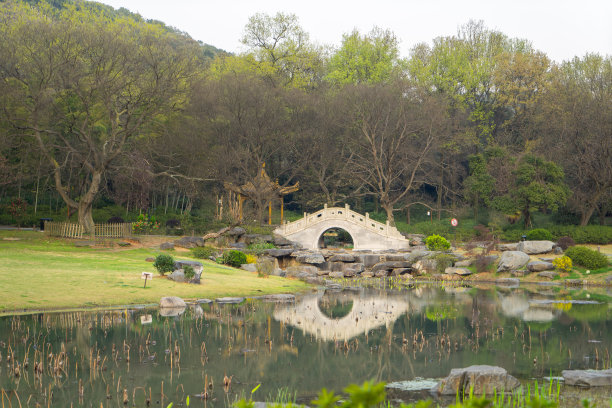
{"x": 454, "y": 222}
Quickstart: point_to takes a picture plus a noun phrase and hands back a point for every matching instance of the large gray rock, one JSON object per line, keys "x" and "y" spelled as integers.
{"x": 535, "y": 247}
{"x": 249, "y": 267}
{"x": 177, "y": 276}
{"x": 295, "y": 271}
{"x": 479, "y": 379}
{"x": 457, "y": 271}
{"x": 539, "y": 266}
{"x": 172, "y": 301}
{"x": 464, "y": 264}
{"x": 588, "y": 378}
{"x": 280, "y": 252}
{"x": 425, "y": 266}
{"x": 281, "y": 241}
{"x": 189, "y": 242}
{"x": 181, "y": 263}
{"x": 511, "y": 260}
{"x": 369, "y": 260}
{"x": 508, "y": 247}
{"x": 336, "y": 275}
{"x": 355, "y": 268}
{"x": 416, "y": 255}
{"x": 342, "y": 258}
{"x": 314, "y": 257}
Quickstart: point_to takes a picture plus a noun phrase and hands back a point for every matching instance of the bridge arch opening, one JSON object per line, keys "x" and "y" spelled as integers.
{"x": 336, "y": 237}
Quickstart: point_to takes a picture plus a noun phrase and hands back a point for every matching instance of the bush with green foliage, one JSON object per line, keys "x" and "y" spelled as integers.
{"x": 437, "y": 243}
{"x": 539, "y": 234}
{"x": 234, "y": 258}
{"x": 204, "y": 252}
{"x": 189, "y": 272}
{"x": 587, "y": 257}
{"x": 260, "y": 247}
{"x": 163, "y": 264}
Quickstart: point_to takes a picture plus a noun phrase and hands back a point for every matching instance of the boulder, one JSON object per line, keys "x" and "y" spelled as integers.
{"x": 400, "y": 271}
{"x": 279, "y": 252}
{"x": 178, "y": 276}
{"x": 189, "y": 242}
{"x": 342, "y": 258}
{"x": 535, "y": 247}
{"x": 479, "y": 379}
{"x": 393, "y": 258}
{"x": 425, "y": 266}
{"x": 172, "y": 302}
{"x": 512, "y": 260}
{"x": 519, "y": 273}
{"x": 464, "y": 264}
{"x": 416, "y": 255}
{"x": 249, "y": 267}
{"x": 280, "y": 298}
{"x": 297, "y": 270}
{"x": 229, "y": 300}
{"x": 181, "y": 263}
{"x": 383, "y": 273}
{"x": 367, "y": 274}
{"x": 281, "y": 241}
{"x": 236, "y": 232}
{"x": 508, "y": 247}
{"x": 588, "y": 378}
{"x": 548, "y": 274}
{"x": 336, "y": 275}
{"x": 539, "y": 266}
{"x": 387, "y": 266}
{"x": 457, "y": 271}
{"x": 204, "y": 301}
{"x": 166, "y": 246}
{"x": 356, "y": 267}
{"x": 369, "y": 260}
{"x": 314, "y": 257}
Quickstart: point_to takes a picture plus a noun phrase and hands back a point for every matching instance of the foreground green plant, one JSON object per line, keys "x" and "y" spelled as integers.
{"x": 437, "y": 243}
{"x": 163, "y": 264}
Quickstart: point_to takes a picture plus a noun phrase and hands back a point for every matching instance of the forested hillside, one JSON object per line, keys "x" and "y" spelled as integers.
{"x": 102, "y": 109}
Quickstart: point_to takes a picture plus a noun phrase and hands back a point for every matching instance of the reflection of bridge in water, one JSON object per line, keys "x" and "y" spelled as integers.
{"x": 367, "y": 312}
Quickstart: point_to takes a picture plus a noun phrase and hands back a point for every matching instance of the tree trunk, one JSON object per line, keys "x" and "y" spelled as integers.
{"x": 527, "y": 216}
{"x": 86, "y": 203}
{"x": 585, "y": 217}
{"x": 389, "y": 210}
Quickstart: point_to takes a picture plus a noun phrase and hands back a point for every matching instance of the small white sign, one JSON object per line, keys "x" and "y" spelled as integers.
{"x": 147, "y": 275}
{"x": 454, "y": 222}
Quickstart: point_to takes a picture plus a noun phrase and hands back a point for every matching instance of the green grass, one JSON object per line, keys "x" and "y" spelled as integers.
{"x": 41, "y": 273}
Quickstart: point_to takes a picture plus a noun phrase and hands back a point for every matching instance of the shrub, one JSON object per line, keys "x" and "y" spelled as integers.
{"x": 189, "y": 272}
{"x": 565, "y": 242}
{"x": 437, "y": 243}
{"x": 563, "y": 263}
{"x": 443, "y": 261}
{"x": 173, "y": 223}
{"x": 587, "y": 257}
{"x": 484, "y": 263}
{"x": 115, "y": 220}
{"x": 539, "y": 234}
{"x": 163, "y": 264}
{"x": 204, "y": 252}
{"x": 234, "y": 258}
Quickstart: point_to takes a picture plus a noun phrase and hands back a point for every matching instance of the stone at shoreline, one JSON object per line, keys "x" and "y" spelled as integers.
{"x": 177, "y": 276}
{"x": 336, "y": 275}
{"x": 172, "y": 302}
{"x": 307, "y": 269}
{"x": 400, "y": 271}
{"x": 204, "y": 301}
{"x": 229, "y": 300}
{"x": 457, "y": 271}
{"x": 166, "y": 245}
{"x": 535, "y": 247}
{"x": 369, "y": 260}
{"x": 479, "y": 379}
{"x": 390, "y": 265}
{"x": 383, "y": 273}
{"x": 588, "y": 378}
{"x": 509, "y": 282}
{"x": 539, "y": 266}
{"x": 355, "y": 268}
{"x": 189, "y": 242}
{"x": 279, "y": 252}
{"x": 548, "y": 274}
{"x": 280, "y": 298}
{"x": 249, "y": 267}
{"x": 512, "y": 260}
{"x": 507, "y": 247}
{"x": 309, "y": 257}
{"x": 342, "y": 258}
{"x": 367, "y": 274}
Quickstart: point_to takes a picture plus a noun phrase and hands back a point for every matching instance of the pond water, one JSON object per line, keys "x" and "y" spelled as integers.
{"x": 325, "y": 339}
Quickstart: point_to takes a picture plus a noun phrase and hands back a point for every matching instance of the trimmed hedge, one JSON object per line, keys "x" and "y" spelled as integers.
{"x": 587, "y": 257}
{"x": 539, "y": 234}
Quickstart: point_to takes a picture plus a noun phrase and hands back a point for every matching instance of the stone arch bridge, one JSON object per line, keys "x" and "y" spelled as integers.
{"x": 365, "y": 232}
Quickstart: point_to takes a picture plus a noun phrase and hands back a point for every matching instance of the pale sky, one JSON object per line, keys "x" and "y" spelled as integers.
{"x": 561, "y": 28}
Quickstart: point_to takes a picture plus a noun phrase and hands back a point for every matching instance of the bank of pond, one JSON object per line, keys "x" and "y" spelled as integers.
{"x": 216, "y": 354}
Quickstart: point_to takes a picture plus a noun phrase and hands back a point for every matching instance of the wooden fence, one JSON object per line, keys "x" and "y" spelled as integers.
{"x": 72, "y": 230}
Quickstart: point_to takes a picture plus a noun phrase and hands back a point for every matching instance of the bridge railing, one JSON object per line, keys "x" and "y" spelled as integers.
{"x": 340, "y": 213}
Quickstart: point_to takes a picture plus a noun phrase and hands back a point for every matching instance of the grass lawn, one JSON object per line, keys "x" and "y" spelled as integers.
{"x": 37, "y": 272}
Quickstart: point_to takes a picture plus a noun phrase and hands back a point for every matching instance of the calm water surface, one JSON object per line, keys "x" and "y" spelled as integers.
{"x": 325, "y": 339}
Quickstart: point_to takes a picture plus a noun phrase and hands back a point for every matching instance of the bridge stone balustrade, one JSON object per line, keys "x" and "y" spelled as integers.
{"x": 365, "y": 232}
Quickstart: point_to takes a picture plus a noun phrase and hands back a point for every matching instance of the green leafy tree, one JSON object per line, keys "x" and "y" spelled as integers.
{"x": 371, "y": 58}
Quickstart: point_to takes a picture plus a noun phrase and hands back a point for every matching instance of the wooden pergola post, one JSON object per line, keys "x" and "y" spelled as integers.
{"x": 269, "y": 213}
{"x": 282, "y": 209}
